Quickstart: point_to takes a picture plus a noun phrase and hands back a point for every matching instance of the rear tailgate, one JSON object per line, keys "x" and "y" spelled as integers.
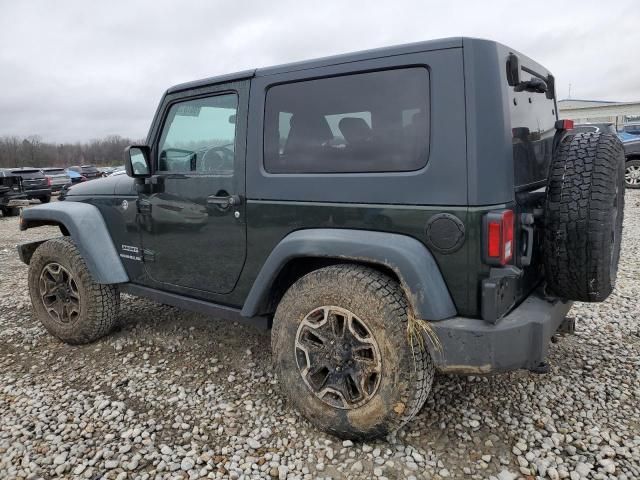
{"x": 32, "y": 179}
{"x": 58, "y": 177}
{"x": 533, "y": 117}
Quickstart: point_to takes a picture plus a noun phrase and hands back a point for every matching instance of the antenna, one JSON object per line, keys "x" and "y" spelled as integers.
{"x": 569, "y": 96}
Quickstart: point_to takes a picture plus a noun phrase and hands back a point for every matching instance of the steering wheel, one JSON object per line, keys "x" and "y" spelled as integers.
{"x": 218, "y": 158}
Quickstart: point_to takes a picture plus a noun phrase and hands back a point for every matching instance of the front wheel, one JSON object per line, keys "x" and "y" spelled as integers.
{"x": 342, "y": 352}
{"x": 66, "y": 299}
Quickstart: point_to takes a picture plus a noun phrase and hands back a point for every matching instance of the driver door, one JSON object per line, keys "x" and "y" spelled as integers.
{"x": 192, "y": 222}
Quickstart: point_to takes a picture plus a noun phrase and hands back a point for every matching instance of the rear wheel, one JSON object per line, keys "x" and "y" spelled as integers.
{"x": 66, "y": 299}
{"x": 45, "y": 198}
{"x": 632, "y": 174}
{"x": 341, "y": 352}
{"x": 583, "y": 216}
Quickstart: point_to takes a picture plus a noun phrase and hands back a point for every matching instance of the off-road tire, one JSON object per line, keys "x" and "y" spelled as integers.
{"x": 99, "y": 303}
{"x": 583, "y": 217}
{"x": 406, "y": 374}
{"x": 632, "y": 164}
{"x": 45, "y": 199}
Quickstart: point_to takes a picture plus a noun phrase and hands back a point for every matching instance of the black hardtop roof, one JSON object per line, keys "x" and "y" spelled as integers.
{"x": 22, "y": 170}
{"x": 439, "y": 44}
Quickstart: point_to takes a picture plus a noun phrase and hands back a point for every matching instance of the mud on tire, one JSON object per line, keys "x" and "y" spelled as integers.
{"x": 66, "y": 299}
{"x": 380, "y": 315}
{"x": 583, "y": 217}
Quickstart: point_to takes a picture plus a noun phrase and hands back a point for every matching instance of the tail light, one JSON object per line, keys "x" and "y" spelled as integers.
{"x": 498, "y": 235}
{"x": 48, "y": 181}
{"x": 564, "y": 124}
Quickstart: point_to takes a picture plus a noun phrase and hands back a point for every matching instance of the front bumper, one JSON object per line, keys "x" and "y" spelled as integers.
{"x": 519, "y": 340}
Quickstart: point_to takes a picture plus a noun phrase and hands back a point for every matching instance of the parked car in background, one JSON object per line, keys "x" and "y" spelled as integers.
{"x": 632, "y": 164}
{"x": 34, "y": 182}
{"x": 106, "y": 171}
{"x": 90, "y": 172}
{"x": 58, "y": 178}
{"x": 119, "y": 170}
{"x": 594, "y": 127}
{"x": 12, "y": 196}
{"x": 630, "y": 131}
{"x": 74, "y": 177}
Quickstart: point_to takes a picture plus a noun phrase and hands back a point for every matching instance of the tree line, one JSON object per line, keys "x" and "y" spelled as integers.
{"x": 32, "y": 151}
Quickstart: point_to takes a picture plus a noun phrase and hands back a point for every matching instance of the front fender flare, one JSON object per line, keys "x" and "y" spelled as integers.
{"x": 89, "y": 232}
{"x": 411, "y": 261}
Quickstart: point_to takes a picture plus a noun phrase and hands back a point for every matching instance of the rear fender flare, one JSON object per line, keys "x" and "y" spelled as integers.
{"x": 411, "y": 261}
{"x": 89, "y": 232}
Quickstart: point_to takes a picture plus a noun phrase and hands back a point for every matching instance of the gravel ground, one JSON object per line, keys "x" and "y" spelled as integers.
{"x": 172, "y": 394}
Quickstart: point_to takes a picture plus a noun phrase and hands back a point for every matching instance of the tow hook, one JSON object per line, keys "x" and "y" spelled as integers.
{"x": 567, "y": 327}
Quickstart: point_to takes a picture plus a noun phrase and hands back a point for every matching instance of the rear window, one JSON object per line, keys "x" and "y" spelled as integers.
{"x": 54, "y": 171}
{"x": 368, "y": 122}
{"x": 28, "y": 173}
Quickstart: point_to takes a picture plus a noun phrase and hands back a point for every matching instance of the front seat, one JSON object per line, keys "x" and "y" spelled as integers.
{"x": 355, "y": 131}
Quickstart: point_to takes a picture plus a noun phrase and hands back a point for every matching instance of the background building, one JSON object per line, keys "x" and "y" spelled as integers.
{"x": 596, "y": 111}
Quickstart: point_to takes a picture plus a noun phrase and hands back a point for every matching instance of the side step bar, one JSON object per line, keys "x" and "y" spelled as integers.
{"x": 193, "y": 304}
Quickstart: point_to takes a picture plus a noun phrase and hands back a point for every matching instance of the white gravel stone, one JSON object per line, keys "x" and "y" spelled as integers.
{"x": 253, "y": 443}
{"x": 187, "y": 464}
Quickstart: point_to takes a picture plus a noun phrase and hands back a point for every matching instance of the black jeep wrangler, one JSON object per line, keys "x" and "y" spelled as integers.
{"x": 12, "y": 194}
{"x": 391, "y": 213}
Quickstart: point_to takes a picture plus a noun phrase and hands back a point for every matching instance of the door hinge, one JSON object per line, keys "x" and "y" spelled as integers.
{"x": 144, "y": 206}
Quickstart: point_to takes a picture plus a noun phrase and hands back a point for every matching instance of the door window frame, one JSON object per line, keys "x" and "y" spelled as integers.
{"x": 240, "y": 87}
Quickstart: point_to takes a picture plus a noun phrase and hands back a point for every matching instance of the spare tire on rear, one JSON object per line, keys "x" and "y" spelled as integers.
{"x": 583, "y": 216}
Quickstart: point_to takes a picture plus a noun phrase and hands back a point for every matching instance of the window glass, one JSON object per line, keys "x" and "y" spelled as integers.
{"x": 199, "y": 136}
{"x": 369, "y": 122}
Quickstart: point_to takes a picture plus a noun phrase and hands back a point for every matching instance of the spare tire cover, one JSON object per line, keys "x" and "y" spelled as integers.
{"x": 583, "y": 216}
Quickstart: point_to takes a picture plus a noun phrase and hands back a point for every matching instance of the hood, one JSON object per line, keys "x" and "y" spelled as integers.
{"x": 120, "y": 185}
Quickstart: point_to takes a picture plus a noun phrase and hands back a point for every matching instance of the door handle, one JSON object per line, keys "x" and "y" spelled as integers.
{"x": 224, "y": 201}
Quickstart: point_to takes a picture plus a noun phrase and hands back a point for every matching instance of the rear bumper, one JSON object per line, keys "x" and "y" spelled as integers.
{"x": 519, "y": 340}
{"x": 14, "y": 202}
{"x": 38, "y": 192}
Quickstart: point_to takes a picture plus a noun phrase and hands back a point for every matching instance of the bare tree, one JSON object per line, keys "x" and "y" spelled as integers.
{"x": 34, "y": 152}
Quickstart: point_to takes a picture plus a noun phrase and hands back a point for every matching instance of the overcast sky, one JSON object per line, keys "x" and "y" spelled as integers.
{"x": 77, "y": 70}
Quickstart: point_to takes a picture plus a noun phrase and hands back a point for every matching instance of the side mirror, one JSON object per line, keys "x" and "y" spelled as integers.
{"x": 136, "y": 161}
